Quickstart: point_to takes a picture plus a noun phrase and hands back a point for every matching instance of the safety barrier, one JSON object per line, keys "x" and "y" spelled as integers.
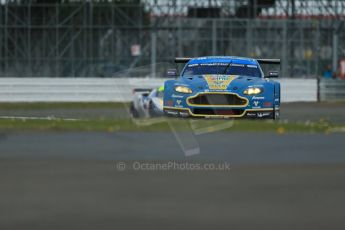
{"x": 72, "y": 89}
{"x": 331, "y": 90}
{"x": 293, "y": 90}
{"x": 115, "y": 89}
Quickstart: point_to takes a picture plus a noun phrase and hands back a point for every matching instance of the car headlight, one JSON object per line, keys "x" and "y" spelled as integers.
{"x": 254, "y": 90}
{"x": 183, "y": 89}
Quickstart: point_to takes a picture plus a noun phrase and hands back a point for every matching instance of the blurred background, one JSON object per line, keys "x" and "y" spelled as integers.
{"x": 98, "y": 38}
{"x": 68, "y": 70}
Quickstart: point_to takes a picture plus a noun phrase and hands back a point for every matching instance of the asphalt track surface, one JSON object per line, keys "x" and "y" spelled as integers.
{"x": 237, "y": 148}
{"x": 93, "y": 195}
{"x": 72, "y": 180}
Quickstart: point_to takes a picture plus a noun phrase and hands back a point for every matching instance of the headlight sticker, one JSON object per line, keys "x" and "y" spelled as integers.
{"x": 183, "y": 89}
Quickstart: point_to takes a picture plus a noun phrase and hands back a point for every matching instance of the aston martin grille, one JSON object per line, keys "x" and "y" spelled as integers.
{"x": 225, "y": 112}
{"x": 217, "y": 99}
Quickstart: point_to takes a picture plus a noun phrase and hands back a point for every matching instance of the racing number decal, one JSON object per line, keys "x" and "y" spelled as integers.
{"x": 219, "y": 82}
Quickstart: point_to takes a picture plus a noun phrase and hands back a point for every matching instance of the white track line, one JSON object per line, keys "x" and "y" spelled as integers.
{"x": 49, "y": 118}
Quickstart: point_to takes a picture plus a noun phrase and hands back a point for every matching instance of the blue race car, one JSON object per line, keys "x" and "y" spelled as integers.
{"x": 223, "y": 87}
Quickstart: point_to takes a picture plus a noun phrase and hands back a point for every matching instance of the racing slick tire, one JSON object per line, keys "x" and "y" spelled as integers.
{"x": 134, "y": 113}
{"x": 150, "y": 109}
{"x": 276, "y": 114}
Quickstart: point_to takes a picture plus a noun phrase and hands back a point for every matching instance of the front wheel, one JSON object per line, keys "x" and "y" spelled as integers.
{"x": 276, "y": 114}
{"x": 276, "y": 103}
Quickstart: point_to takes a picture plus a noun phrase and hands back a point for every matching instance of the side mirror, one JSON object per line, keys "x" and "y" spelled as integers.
{"x": 172, "y": 73}
{"x": 272, "y": 74}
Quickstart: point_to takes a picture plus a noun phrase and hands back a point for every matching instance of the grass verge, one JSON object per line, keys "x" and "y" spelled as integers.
{"x": 113, "y": 125}
{"x": 162, "y": 125}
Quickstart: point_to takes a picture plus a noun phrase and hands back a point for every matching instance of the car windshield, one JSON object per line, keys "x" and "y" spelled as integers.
{"x": 222, "y": 68}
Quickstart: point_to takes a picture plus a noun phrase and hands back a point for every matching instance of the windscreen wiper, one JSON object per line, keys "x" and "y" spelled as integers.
{"x": 227, "y": 67}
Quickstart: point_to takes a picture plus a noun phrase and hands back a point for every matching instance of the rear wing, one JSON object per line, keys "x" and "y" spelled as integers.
{"x": 182, "y": 59}
{"x": 141, "y": 90}
{"x": 260, "y": 60}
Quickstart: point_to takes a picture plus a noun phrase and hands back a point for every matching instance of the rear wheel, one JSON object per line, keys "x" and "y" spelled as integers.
{"x": 150, "y": 109}
{"x": 133, "y": 111}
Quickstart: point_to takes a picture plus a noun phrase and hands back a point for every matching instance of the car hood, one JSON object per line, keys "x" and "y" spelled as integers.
{"x": 221, "y": 82}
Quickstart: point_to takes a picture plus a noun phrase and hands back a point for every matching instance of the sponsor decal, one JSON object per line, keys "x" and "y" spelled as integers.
{"x": 178, "y": 103}
{"x": 209, "y": 64}
{"x": 265, "y": 114}
{"x": 218, "y": 82}
{"x": 252, "y": 66}
{"x": 214, "y": 64}
{"x": 258, "y": 98}
{"x": 171, "y": 112}
{"x": 240, "y": 65}
{"x": 256, "y": 103}
{"x": 251, "y": 114}
{"x": 176, "y": 96}
{"x": 192, "y": 65}
{"x": 184, "y": 114}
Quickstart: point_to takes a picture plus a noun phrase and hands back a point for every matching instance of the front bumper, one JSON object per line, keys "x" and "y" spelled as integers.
{"x": 219, "y": 112}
